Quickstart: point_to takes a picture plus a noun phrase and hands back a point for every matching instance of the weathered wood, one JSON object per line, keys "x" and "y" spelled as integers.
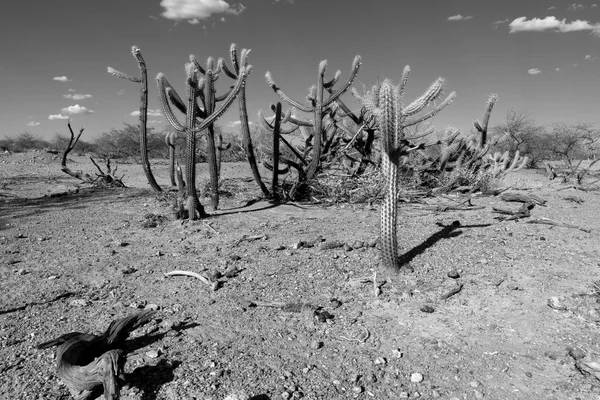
{"x": 523, "y": 198}
{"x": 547, "y": 221}
{"x": 85, "y": 361}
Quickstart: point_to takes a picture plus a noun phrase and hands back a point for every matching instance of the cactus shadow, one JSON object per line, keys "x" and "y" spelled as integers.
{"x": 447, "y": 232}
{"x": 150, "y": 378}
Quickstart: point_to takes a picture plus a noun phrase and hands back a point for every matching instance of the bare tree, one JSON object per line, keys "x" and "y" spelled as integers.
{"x": 520, "y": 133}
{"x": 572, "y": 144}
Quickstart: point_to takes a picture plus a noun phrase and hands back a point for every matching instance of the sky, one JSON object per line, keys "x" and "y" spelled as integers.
{"x": 538, "y": 56}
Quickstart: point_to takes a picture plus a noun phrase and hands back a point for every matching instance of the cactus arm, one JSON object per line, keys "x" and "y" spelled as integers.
{"x": 483, "y": 128}
{"x": 284, "y": 96}
{"x": 293, "y": 149}
{"x": 318, "y": 124}
{"x": 143, "y": 135}
{"x": 226, "y": 69}
{"x": 333, "y": 81}
{"x": 432, "y": 113}
{"x": 224, "y": 95}
{"x": 276, "y": 128}
{"x": 199, "y": 67}
{"x": 195, "y": 209}
{"x": 355, "y": 67}
{"x": 122, "y": 75}
{"x": 433, "y": 92}
{"x": 404, "y": 79}
{"x": 170, "y": 142}
{"x": 270, "y": 126}
{"x": 227, "y": 102}
{"x": 388, "y": 125}
{"x": 209, "y": 95}
{"x": 162, "y": 85}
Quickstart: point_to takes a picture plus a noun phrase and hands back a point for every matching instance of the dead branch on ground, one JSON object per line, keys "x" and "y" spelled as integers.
{"x": 85, "y": 361}
{"x": 547, "y": 221}
{"x": 102, "y": 178}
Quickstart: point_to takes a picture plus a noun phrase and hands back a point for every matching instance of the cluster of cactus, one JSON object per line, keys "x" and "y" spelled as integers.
{"x": 199, "y": 118}
{"x": 143, "y": 135}
{"x": 319, "y": 132}
{"x": 384, "y": 101}
{"x": 471, "y": 153}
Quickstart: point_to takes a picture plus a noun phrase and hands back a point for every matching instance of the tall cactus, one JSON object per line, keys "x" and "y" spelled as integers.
{"x": 193, "y": 113}
{"x": 143, "y": 135}
{"x": 392, "y": 116}
{"x": 318, "y": 106}
{"x": 233, "y": 73}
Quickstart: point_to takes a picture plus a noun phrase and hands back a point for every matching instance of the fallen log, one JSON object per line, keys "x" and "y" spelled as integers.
{"x": 523, "y": 198}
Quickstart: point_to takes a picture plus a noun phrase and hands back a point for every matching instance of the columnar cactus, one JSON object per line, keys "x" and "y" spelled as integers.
{"x": 233, "y": 73}
{"x": 392, "y": 116}
{"x": 319, "y": 106}
{"x": 208, "y": 115}
{"x": 143, "y": 135}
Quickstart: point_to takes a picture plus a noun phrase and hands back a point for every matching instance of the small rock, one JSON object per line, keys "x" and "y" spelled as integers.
{"x": 333, "y": 244}
{"x": 528, "y": 374}
{"x": 52, "y": 277}
{"x": 280, "y": 247}
{"x": 576, "y": 353}
{"x": 397, "y": 353}
{"x": 235, "y": 257}
{"x": 215, "y": 274}
{"x": 152, "y": 354}
{"x": 453, "y": 274}
{"x": 232, "y": 272}
{"x": 118, "y": 304}
{"x": 513, "y": 286}
{"x": 474, "y": 384}
{"x": 380, "y": 361}
{"x": 542, "y": 238}
{"x": 416, "y": 377}
{"x": 557, "y": 303}
{"x": 347, "y": 247}
{"x": 285, "y": 395}
{"x": 315, "y": 345}
{"x": 336, "y": 382}
{"x": 427, "y": 309}
{"x": 357, "y": 389}
{"x": 169, "y": 324}
{"x": 335, "y": 303}
{"x": 435, "y": 394}
{"x": 79, "y": 303}
{"x": 298, "y": 245}
{"x": 416, "y": 394}
{"x": 374, "y": 242}
{"x": 128, "y": 270}
{"x": 152, "y": 307}
{"x": 478, "y": 394}
{"x": 21, "y": 271}
{"x": 403, "y": 395}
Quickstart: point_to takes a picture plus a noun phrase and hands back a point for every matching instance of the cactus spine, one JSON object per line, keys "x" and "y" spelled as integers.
{"x": 143, "y": 135}
{"x": 385, "y": 102}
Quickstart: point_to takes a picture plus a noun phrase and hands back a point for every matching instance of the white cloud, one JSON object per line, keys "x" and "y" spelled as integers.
{"x": 594, "y": 5}
{"x": 534, "y": 71}
{"x": 150, "y": 113}
{"x": 33, "y": 123}
{"x": 194, "y": 21}
{"x": 521, "y": 24}
{"x": 57, "y": 116}
{"x": 459, "y": 17}
{"x": 496, "y": 24}
{"x": 71, "y": 90}
{"x": 61, "y": 79}
{"x": 154, "y": 121}
{"x": 588, "y": 57}
{"x": 194, "y": 10}
{"x": 120, "y": 92}
{"x": 551, "y": 8}
{"x": 77, "y": 96}
{"x": 557, "y": 69}
{"x": 235, "y": 124}
{"x": 76, "y": 109}
{"x": 575, "y": 7}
